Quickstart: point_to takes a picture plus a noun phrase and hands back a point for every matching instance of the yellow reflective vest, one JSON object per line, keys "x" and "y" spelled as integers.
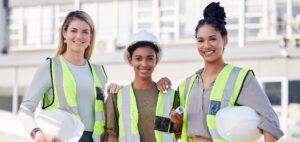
{"x": 128, "y": 116}
{"x": 230, "y": 79}
{"x": 62, "y": 95}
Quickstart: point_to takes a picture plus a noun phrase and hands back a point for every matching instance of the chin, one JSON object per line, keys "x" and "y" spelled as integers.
{"x": 144, "y": 76}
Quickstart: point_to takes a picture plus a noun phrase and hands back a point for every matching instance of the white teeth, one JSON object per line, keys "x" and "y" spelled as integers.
{"x": 208, "y": 53}
{"x": 143, "y": 71}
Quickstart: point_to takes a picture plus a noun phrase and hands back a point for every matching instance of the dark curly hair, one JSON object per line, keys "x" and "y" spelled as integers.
{"x": 214, "y": 15}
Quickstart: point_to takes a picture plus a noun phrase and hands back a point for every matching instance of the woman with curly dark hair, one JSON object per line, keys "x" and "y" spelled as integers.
{"x": 219, "y": 85}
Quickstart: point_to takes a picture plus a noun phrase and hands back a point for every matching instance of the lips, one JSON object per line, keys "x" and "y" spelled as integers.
{"x": 208, "y": 53}
{"x": 144, "y": 71}
{"x": 78, "y": 43}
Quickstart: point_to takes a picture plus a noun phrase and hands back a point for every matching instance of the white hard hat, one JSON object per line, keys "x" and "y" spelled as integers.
{"x": 60, "y": 124}
{"x": 141, "y": 36}
{"x": 238, "y": 124}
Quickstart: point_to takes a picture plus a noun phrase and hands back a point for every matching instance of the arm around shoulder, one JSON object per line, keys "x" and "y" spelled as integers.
{"x": 111, "y": 117}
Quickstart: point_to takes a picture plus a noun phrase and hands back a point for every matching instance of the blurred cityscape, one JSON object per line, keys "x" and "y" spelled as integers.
{"x": 264, "y": 35}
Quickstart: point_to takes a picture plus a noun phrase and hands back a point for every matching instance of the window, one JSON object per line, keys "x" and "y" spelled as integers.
{"x": 188, "y": 18}
{"x": 47, "y": 21}
{"x": 273, "y": 91}
{"x": 14, "y": 28}
{"x": 31, "y": 25}
{"x": 280, "y": 18}
{"x": 105, "y": 24}
{"x": 125, "y": 22}
{"x": 294, "y": 91}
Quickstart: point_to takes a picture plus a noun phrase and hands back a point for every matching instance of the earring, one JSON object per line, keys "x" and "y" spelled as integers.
{"x": 65, "y": 41}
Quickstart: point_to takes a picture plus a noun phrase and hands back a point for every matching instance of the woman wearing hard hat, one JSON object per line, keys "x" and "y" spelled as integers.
{"x": 140, "y": 112}
{"x": 68, "y": 82}
{"x": 219, "y": 85}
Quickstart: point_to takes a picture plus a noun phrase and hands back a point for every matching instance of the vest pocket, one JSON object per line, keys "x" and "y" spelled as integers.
{"x": 100, "y": 94}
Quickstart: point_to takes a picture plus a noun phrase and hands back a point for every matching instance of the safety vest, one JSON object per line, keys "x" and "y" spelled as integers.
{"x": 128, "y": 116}
{"x": 63, "y": 93}
{"x": 225, "y": 91}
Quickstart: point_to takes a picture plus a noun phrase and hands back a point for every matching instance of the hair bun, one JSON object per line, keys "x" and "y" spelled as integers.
{"x": 214, "y": 10}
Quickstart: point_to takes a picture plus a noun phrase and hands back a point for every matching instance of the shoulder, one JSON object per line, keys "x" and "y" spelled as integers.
{"x": 96, "y": 65}
{"x": 189, "y": 79}
{"x": 45, "y": 66}
{"x": 250, "y": 79}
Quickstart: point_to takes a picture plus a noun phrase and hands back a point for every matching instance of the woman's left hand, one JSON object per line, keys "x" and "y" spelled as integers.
{"x": 177, "y": 120}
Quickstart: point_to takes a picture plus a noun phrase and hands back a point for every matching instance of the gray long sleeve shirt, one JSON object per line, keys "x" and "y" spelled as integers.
{"x": 251, "y": 95}
{"x": 41, "y": 83}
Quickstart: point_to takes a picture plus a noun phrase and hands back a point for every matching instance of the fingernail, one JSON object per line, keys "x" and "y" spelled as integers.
{"x": 167, "y": 86}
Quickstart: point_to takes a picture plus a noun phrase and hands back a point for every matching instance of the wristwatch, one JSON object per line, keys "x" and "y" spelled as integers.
{"x": 34, "y": 131}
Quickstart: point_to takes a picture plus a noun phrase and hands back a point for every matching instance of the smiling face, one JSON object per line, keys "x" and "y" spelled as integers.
{"x": 210, "y": 44}
{"x": 143, "y": 60}
{"x": 77, "y": 36}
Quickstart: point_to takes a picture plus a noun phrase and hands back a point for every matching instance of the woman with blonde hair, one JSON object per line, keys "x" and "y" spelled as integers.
{"x": 69, "y": 82}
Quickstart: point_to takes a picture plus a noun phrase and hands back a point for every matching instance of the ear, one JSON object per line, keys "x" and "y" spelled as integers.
{"x": 225, "y": 40}
{"x": 130, "y": 60}
{"x": 64, "y": 33}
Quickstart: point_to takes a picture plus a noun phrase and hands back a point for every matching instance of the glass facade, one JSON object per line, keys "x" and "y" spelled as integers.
{"x": 173, "y": 21}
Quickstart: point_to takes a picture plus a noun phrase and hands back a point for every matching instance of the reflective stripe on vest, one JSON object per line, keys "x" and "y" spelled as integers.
{"x": 128, "y": 115}
{"x": 224, "y": 93}
{"x": 163, "y": 109}
{"x": 64, "y": 93}
{"x": 184, "y": 92}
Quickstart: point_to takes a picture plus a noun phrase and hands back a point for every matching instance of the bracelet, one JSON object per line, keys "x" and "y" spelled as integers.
{"x": 34, "y": 131}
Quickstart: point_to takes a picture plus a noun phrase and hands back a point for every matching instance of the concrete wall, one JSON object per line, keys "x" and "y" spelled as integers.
{"x": 177, "y": 71}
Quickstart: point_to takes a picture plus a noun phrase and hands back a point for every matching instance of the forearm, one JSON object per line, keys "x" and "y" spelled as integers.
{"x": 268, "y": 137}
{"x": 26, "y": 117}
{"x": 177, "y": 130}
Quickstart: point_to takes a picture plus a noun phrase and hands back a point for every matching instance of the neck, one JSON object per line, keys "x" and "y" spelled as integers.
{"x": 213, "y": 68}
{"x": 141, "y": 83}
{"x": 74, "y": 59}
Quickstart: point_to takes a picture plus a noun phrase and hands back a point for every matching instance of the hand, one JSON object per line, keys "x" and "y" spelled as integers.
{"x": 111, "y": 138}
{"x": 164, "y": 84}
{"x": 113, "y": 88}
{"x": 43, "y": 137}
{"x": 177, "y": 120}
{"x": 176, "y": 117}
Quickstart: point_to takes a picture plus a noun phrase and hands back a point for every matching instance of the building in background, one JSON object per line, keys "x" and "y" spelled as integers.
{"x": 264, "y": 35}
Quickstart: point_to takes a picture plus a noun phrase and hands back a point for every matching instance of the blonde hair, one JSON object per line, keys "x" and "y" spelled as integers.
{"x": 81, "y": 15}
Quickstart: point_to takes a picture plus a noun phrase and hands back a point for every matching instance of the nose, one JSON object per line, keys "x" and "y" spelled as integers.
{"x": 206, "y": 44}
{"x": 78, "y": 35}
{"x": 144, "y": 63}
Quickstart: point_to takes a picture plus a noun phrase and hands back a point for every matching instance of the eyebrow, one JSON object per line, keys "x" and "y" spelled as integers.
{"x": 72, "y": 28}
{"x": 208, "y": 36}
{"x": 146, "y": 56}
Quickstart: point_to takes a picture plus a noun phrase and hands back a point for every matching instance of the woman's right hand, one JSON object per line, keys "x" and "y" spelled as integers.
{"x": 113, "y": 88}
{"x": 43, "y": 137}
